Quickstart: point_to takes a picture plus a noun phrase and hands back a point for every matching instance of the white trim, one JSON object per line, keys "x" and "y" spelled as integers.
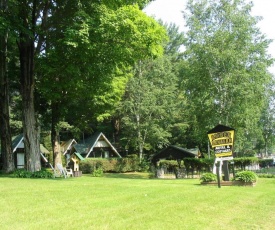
{"x": 108, "y": 142}
{"x": 19, "y": 142}
{"x": 73, "y": 140}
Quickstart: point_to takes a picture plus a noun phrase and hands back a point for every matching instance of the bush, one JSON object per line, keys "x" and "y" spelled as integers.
{"x": 246, "y": 176}
{"x": 266, "y": 175}
{"x": 208, "y": 177}
{"x": 170, "y": 165}
{"x": 127, "y": 165}
{"x": 265, "y": 163}
{"x": 98, "y": 172}
{"x": 23, "y": 173}
{"x": 112, "y": 165}
{"x": 243, "y": 162}
{"x": 89, "y": 165}
{"x": 43, "y": 173}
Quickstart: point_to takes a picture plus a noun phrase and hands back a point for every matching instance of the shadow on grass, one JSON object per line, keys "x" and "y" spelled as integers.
{"x": 7, "y": 175}
{"x": 132, "y": 175}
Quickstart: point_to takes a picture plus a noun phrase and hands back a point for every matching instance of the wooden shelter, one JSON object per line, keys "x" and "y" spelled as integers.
{"x": 74, "y": 163}
{"x": 75, "y": 160}
{"x": 173, "y": 152}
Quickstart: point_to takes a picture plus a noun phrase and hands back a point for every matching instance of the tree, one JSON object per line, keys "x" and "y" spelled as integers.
{"x": 89, "y": 54}
{"x": 148, "y": 108}
{"x": 31, "y": 16}
{"x": 227, "y": 71}
{"x": 265, "y": 138}
{"x": 86, "y": 32}
{"x": 6, "y": 146}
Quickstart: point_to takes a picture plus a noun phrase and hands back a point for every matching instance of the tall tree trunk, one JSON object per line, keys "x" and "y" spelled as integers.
{"x": 55, "y": 135}
{"x": 30, "y": 125}
{"x": 6, "y": 145}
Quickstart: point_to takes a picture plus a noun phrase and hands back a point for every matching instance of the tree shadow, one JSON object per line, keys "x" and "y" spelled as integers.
{"x": 128, "y": 175}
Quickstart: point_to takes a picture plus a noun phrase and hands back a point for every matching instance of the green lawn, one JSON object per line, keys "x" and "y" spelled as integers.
{"x": 133, "y": 201}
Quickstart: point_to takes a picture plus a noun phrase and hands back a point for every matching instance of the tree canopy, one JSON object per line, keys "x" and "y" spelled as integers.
{"x": 227, "y": 73}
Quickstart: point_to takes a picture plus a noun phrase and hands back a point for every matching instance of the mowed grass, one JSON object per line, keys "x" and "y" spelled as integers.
{"x": 133, "y": 201}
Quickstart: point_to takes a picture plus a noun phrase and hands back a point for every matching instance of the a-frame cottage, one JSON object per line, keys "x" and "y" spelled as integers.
{"x": 96, "y": 146}
{"x": 19, "y": 152}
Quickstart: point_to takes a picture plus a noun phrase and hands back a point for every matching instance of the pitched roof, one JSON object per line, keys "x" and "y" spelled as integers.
{"x": 176, "y": 153}
{"x": 79, "y": 156}
{"x": 44, "y": 150}
{"x": 66, "y": 145}
{"x": 81, "y": 148}
{"x": 87, "y": 146}
{"x": 219, "y": 128}
{"x": 16, "y": 141}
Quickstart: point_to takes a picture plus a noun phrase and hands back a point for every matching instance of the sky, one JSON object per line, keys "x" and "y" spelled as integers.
{"x": 170, "y": 11}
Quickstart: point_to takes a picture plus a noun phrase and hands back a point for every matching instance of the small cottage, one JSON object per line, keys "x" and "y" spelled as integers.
{"x": 19, "y": 152}
{"x": 96, "y": 146}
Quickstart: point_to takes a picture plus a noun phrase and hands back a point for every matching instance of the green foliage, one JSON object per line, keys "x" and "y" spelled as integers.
{"x": 246, "y": 176}
{"x": 242, "y": 162}
{"x": 144, "y": 165}
{"x": 112, "y": 165}
{"x": 191, "y": 163}
{"x": 95, "y": 44}
{"x": 250, "y": 153}
{"x": 98, "y": 172}
{"x": 22, "y": 173}
{"x": 265, "y": 175}
{"x": 170, "y": 165}
{"x": 127, "y": 165}
{"x": 207, "y": 163}
{"x": 227, "y": 52}
{"x": 43, "y": 173}
{"x": 265, "y": 162}
{"x": 149, "y": 105}
{"x": 208, "y": 177}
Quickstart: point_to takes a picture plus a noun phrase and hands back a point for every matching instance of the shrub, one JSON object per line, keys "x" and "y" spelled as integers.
{"x": 98, "y": 172}
{"x": 127, "y": 165}
{"x": 208, "y": 177}
{"x": 246, "y": 176}
{"x": 266, "y": 175}
{"x": 243, "y": 162}
{"x": 86, "y": 166}
{"x": 23, "y": 173}
{"x": 111, "y": 165}
{"x": 89, "y": 165}
{"x": 170, "y": 165}
{"x": 265, "y": 162}
{"x": 43, "y": 173}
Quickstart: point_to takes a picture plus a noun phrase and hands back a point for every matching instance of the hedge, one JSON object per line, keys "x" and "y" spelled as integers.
{"x": 111, "y": 165}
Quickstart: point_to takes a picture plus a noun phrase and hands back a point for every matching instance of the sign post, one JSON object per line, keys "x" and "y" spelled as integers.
{"x": 222, "y": 139}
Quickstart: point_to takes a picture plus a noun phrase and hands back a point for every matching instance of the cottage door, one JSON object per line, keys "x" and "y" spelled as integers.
{"x": 106, "y": 154}
{"x": 20, "y": 160}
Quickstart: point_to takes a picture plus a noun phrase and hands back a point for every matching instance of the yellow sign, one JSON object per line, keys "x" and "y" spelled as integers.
{"x": 222, "y": 143}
